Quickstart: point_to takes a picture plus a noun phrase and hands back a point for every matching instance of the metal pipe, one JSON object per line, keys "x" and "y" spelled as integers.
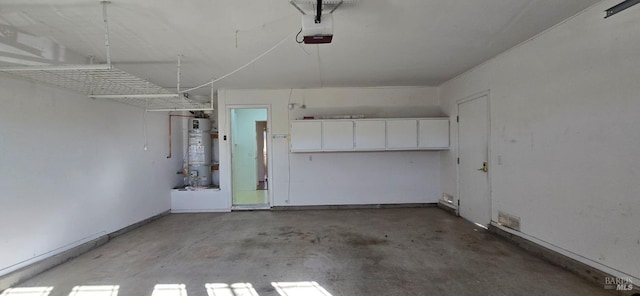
{"x": 136, "y": 96}
{"x": 620, "y": 7}
{"x": 183, "y": 109}
{"x": 57, "y": 68}
{"x": 106, "y": 30}
{"x": 179, "y": 74}
{"x": 170, "y": 117}
{"x": 319, "y": 12}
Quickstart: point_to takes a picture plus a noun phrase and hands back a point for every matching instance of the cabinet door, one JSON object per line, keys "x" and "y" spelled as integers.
{"x": 306, "y": 136}
{"x": 433, "y": 133}
{"x": 402, "y": 134}
{"x": 370, "y": 134}
{"x": 337, "y": 135}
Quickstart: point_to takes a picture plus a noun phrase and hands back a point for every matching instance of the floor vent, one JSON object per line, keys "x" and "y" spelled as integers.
{"x": 509, "y": 221}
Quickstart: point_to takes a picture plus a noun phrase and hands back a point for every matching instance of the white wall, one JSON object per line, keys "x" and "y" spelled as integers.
{"x": 564, "y": 122}
{"x": 341, "y": 178}
{"x": 73, "y": 168}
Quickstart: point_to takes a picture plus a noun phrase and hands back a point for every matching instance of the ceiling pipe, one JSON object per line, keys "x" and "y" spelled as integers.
{"x": 57, "y": 68}
{"x": 178, "y": 74}
{"x": 170, "y": 117}
{"x": 137, "y": 96}
{"x": 620, "y": 7}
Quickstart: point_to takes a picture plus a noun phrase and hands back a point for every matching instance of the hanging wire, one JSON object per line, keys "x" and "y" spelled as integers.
{"x": 241, "y": 67}
{"x": 299, "y": 41}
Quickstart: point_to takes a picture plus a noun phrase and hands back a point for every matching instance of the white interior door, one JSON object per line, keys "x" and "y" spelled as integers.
{"x": 473, "y": 153}
{"x": 245, "y": 156}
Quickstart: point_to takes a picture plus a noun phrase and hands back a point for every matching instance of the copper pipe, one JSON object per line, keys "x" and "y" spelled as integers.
{"x": 170, "y": 117}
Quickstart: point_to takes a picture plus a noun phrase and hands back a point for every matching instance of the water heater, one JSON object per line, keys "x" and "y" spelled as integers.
{"x": 199, "y": 152}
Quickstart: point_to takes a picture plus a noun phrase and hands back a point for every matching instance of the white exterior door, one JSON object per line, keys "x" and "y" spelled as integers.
{"x": 473, "y": 153}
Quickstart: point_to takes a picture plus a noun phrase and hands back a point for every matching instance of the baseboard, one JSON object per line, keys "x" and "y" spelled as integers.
{"x": 590, "y": 273}
{"x": 351, "y": 207}
{"x": 200, "y": 211}
{"x": 29, "y": 271}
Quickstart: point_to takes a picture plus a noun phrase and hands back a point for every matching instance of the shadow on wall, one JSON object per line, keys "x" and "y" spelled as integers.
{"x": 20, "y": 48}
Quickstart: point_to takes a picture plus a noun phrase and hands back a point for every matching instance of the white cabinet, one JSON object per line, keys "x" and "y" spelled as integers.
{"x": 381, "y": 134}
{"x": 337, "y": 135}
{"x": 370, "y": 134}
{"x": 433, "y": 133}
{"x": 306, "y": 135}
{"x": 402, "y": 134}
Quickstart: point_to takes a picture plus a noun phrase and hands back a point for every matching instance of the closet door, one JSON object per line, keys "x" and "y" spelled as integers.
{"x": 433, "y": 133}
{"x": 306, "y": 135}
{"x": 337, "y": 135}
{"x": 370, "y": 135}
{"x": 402, "y": 134}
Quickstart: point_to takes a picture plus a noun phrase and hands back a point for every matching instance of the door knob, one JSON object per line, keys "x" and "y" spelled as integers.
{"x": 485, "y": 167}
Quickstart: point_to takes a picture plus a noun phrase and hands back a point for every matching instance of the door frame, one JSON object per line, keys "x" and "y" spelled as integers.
{"x": 230, "y": 149}
{"x": 475, "y": 96}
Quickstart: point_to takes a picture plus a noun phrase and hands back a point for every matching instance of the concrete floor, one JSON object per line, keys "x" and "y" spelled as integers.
{"x": 419, "y": 251}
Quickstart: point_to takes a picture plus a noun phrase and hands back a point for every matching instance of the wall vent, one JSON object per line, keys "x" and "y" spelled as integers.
{"x": 448, "y": 198}
{"x": 508, "y": 221}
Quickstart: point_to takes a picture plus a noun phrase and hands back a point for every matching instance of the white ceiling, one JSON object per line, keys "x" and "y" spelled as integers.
{"x": 376, "y": 42}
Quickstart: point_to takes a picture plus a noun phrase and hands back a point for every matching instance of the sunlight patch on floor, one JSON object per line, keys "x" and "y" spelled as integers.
{"x": 300, "y": 289}
{"x": 107, "y": 290}
{"x": 237, "y": 289}
{"x": 29, "y": 291}
{"x": 169, "y": 290}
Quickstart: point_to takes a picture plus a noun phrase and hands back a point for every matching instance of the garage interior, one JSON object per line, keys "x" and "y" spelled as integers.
{"x": 319, "y": 147}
